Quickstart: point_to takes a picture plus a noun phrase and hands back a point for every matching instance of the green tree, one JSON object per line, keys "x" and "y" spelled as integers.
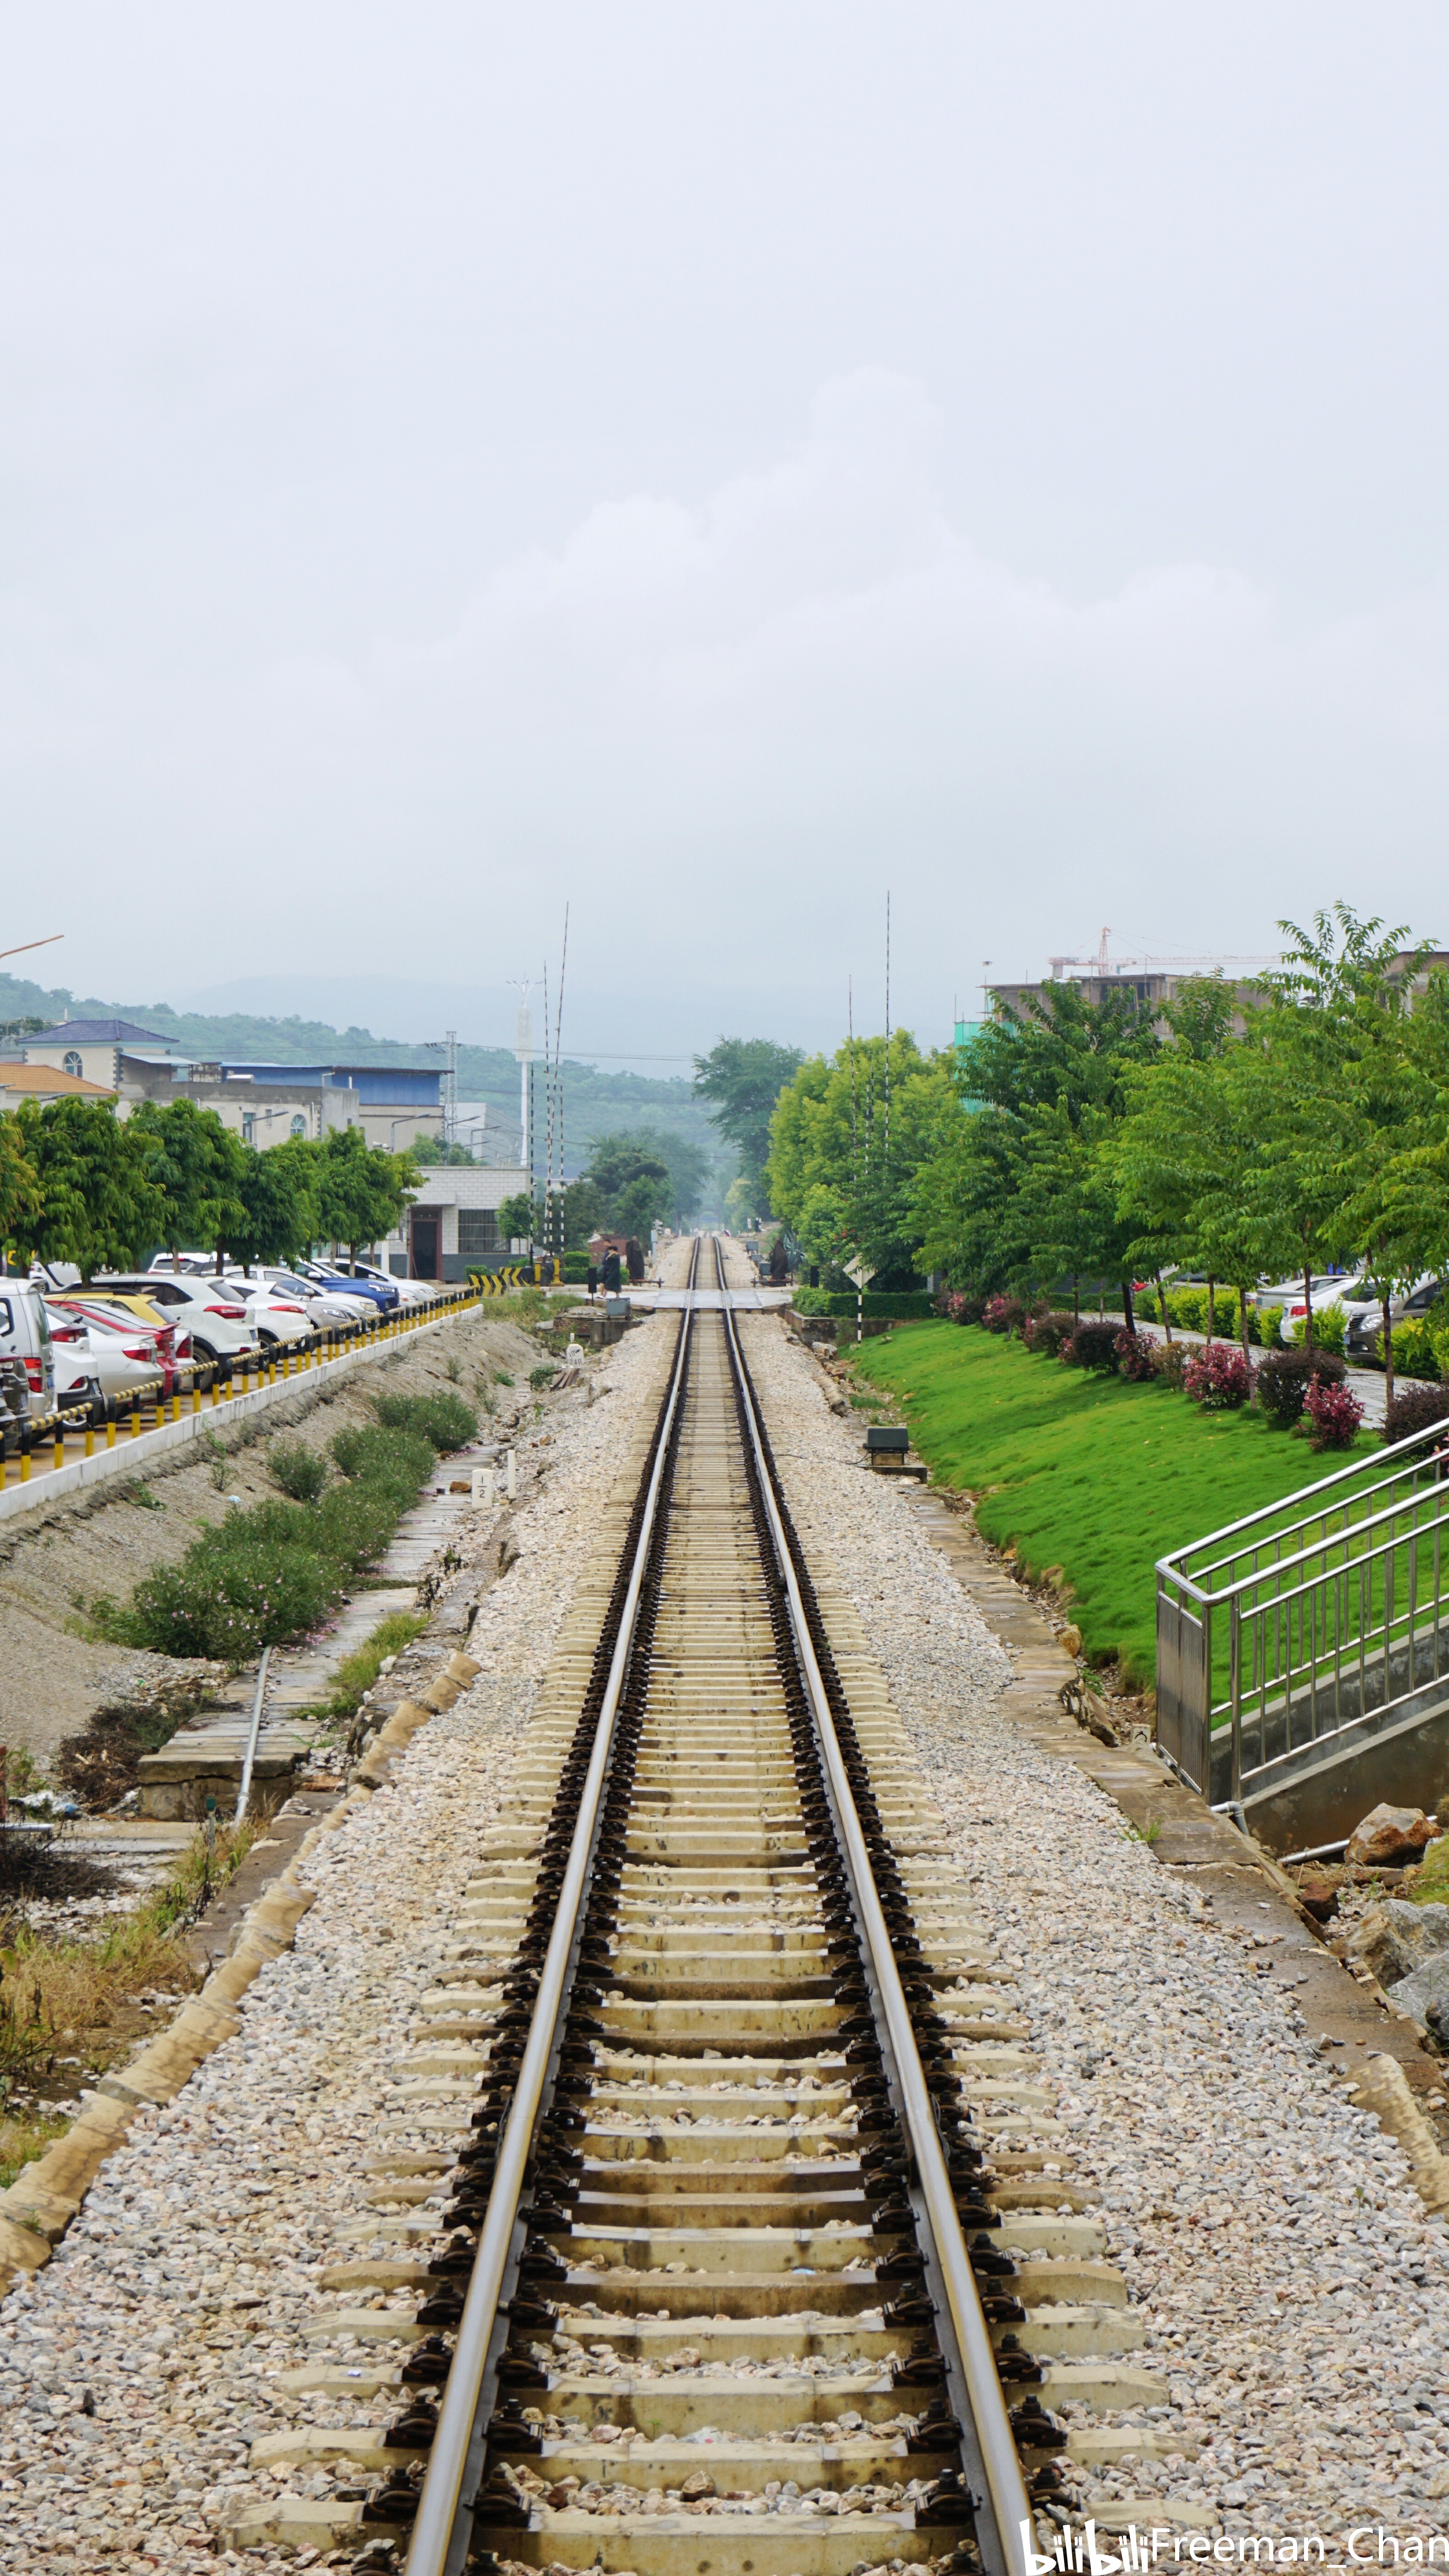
{"x": 742, "y": 1078}
{"x": 96, "y": 1203}
{"x": 195, "y": 1165}
{"x": 360, "y": 1190}
{"x": 518, "y": 1220}
{"x": 1318, "y": 1049}
{"x": 19, "y": 1181}
{"x": 1017, "y": 1193}
{"x": 846, "y": 1153}
{"x": 277, "y": 1192}
{"x": 583, "y": 1204}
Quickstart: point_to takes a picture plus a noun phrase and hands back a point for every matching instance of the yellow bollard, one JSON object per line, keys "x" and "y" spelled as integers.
{"x": 90, "y": 1437}
{"x": 25, "y": 1466}
{"x": 215, "y": 1389}
{"x": 57, "y": 1455}
{"x": 135, "y": 1417}
{"x": 110, "y": 1430}
{"x": 195, "y": 1398}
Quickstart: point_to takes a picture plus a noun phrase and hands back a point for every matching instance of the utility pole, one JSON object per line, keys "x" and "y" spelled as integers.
{"x": 523, "y": 1053}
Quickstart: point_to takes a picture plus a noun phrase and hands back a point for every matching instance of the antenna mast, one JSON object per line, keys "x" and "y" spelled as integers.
{"x": 886, "y": 1164}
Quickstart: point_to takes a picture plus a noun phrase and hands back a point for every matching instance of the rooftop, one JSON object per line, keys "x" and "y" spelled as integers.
{"x": 97, "y": 1033}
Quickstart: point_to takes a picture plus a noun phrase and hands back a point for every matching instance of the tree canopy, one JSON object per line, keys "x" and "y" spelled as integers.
{"x": 742, "y": 1078}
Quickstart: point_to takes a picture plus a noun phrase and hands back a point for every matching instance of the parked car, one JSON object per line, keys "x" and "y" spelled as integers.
{"x": 1365, "y": 1331}
{"x": 25, "y": 1341}
{"x": 200, "y": 1304}
{"x": 411, "y": 1292}
{"x": 383, "y": 1292}
{"x": 1350, "y": 1290}
{"x": 139, "y": 1326}
{"x": 325, "y": 1306}
{"x": 272, "y": 1314}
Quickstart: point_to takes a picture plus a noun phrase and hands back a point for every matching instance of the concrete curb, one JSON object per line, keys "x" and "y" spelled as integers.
{"x": 40, "y": 2204}
{"x": 129, "y": 1454}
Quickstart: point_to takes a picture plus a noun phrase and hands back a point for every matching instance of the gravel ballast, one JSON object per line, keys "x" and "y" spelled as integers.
{"x": 1296, "y": 2290}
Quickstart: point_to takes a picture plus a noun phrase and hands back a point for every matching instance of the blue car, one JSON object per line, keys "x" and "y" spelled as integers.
{"x": 384, "y": 1296}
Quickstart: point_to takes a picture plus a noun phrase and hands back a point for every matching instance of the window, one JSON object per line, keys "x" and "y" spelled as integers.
{"x": 299, "y": 1126}
{"x": 249, "y": 1126}
{"x": 477, "y": 1232}
{"x": 73, "y": 1063}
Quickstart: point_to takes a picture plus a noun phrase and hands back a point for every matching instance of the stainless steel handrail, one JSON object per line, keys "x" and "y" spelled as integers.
{"x": 1006, "y": 2487}
{"x": 441, "y": 2498}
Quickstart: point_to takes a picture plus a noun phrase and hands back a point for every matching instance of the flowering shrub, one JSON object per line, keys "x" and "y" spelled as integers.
{"x": 1046, "y": 1333}
{"x": 959, "y": 1306}
{"x": 1283, "y": 1381}
{"x": 1169, "y": 1362}
{"x": 1333, "y": 1412}
{"x": 1003, "y": 1314}
{"x": 1134, "y": 1357}
{"x": 1093, "y": 1345}
{"x": 1217, "y": 1377}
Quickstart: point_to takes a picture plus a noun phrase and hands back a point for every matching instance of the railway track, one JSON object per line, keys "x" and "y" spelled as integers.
{"x": 750, "y": 2248}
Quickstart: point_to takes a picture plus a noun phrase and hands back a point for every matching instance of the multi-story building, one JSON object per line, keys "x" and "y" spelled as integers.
{"x": 394, "y": 1105}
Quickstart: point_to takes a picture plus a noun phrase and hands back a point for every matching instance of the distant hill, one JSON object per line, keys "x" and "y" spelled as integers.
{"x": 594, "y": 1101}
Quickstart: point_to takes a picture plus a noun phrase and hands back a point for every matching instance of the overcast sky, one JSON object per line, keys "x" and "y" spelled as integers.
{"x": 712, "y": 463}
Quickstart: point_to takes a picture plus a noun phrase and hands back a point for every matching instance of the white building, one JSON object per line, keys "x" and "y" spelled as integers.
{"x": 452, "y": 1225}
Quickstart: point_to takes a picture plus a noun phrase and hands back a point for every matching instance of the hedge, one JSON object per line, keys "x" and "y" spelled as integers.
{"x": 902, "y": 1305}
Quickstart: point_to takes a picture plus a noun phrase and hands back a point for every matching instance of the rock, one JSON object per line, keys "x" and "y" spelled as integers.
{"x": 1393, "y": 1939}
{"x": 1391, "y": 1834}
{"x": 1421, "y": 1930}
{"x": 1072, "y": 1640}
{"x": 1318, "y": 1891}
{"x": 1429, "y": 1984}
{"x": 697, "y": 2485}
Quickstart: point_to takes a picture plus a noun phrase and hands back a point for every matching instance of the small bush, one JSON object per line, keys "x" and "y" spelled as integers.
{"x": 959, "y": 1306}
{"x": 1414, "y": 1410}
{"x": 1281, "y": 1385}
{"x": 227, "y": 1601}
{"x": 1093, "y": 1345}
{"x": 445, "y": 1420}
{"x": 1414, "y": 1351}
{"x": 1218, "y": 1377}
{"x": 1336, "y": 1415}
{"x": 1169, "y": 1362}
{"x": 1329, "y": 1325}
{"x": 1003, "y": 1314}
{"x": 1134, "y": 1357}
{"x": 1046, "y": 1333}
{"x": 298, "y": 1470}
{"x": 543, "y": 1376}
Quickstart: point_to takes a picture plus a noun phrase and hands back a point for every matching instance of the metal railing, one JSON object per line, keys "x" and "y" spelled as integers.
{"x": 1307, "y": 1621}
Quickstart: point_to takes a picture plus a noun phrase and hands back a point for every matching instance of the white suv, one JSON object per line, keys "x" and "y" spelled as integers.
{"x": 209, "y": 1309}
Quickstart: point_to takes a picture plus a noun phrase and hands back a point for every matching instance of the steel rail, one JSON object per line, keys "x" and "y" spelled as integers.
{"x": 442, "y": 2502}
{"x": 1010, "y": 2514}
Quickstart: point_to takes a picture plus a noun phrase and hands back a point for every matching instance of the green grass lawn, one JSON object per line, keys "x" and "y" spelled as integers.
{"x": 1084, "y": 1472}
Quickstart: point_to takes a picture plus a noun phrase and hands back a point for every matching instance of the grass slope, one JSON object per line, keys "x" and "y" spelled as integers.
{"x": 1083, "y": 1472}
